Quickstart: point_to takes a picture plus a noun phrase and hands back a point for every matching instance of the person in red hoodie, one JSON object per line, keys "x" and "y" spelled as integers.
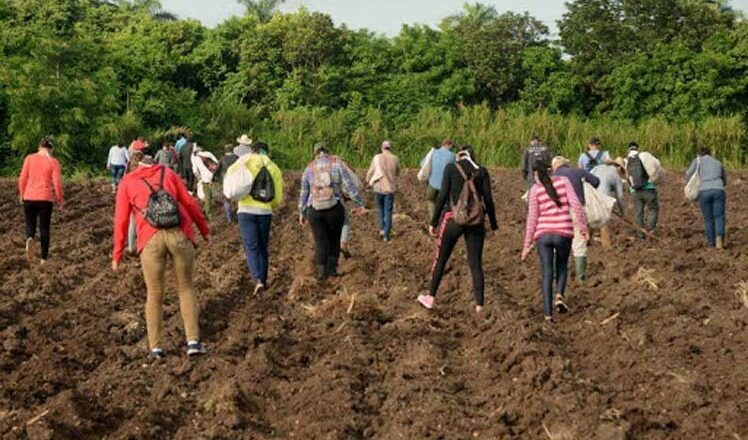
{"x": 155, "y": 246}
{"x": 41, "y": 174}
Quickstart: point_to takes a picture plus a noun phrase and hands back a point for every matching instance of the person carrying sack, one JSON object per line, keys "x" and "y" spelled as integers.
{"x": 552, "y": 206}
{"x": 643, "y": 171}
{"x": 164, "y": 213}
{"x": 577, "y": 177}
{"x": 435, "y": 162}
{"x": 324, "y": 183}
{"x": 255, "y": 213}
{"x": 467, "y": 188}
{"x": 382, "y": 177}
{"x": 711, "y": 180}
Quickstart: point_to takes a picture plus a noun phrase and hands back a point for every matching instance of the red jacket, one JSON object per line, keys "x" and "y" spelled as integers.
{"x": 39, "y": 175}
{"x": 132, "y": 197}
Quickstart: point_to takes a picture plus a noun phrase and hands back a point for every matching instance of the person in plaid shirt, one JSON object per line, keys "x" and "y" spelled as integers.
{"x": 325, "y": 181}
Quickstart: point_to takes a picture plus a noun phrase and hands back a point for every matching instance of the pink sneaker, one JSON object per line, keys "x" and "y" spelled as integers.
{"x": 426, "y": 301}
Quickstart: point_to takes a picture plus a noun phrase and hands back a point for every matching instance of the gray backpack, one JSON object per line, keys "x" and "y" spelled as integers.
{"x": 162, "y": 211}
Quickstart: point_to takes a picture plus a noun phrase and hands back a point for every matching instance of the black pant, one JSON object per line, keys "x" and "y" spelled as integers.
{"x": 42, "y": 211}
{"x": 327, "y": 227}
{"x": 449, "y": 234}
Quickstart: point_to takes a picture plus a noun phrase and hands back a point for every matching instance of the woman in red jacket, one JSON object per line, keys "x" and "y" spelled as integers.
{"x": 155, "y": 246}
{"x": 40, "y": 174}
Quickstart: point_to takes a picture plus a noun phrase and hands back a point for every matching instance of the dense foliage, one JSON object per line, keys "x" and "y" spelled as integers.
{"x": 670, "y": 73}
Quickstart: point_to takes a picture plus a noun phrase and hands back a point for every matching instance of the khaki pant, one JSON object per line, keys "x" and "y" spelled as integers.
{"x": 605, "y": 236}
{"x": 579, "y": 244}
{"x": 169, "y": 242}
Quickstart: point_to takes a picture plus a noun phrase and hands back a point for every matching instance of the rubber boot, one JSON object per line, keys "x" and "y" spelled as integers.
{"x": 321, "y": 272}
{"x": 720, "y": 243}
{"x": 332, "y": 267}
{"x": 581, "y": 265}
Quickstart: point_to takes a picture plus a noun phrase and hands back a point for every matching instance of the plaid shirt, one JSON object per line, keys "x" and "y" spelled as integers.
{"x": 343, "y": 181}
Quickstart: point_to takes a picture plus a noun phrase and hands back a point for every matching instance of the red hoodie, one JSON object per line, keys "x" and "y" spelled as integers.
{"x": 132, "y": 197}
{"x": 39, "y": 175}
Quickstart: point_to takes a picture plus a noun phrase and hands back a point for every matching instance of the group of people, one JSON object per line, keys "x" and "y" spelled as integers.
{"x": 155, "y": 207}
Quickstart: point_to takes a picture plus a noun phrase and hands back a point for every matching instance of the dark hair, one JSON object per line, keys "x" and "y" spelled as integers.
{"x": 535, "y": 138}
{"x": 258, "y": 146}
{"x": 594, "y": 141}
{"x": 704, "y": 151}
{"x": 541, "y": 168}
{"x": 467, "y": 148}
{"x": 633, "y": 145}
{"x": 47, "y": 142}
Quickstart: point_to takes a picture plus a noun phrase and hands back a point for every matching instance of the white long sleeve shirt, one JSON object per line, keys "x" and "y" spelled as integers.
{"x": 117, "y": 156}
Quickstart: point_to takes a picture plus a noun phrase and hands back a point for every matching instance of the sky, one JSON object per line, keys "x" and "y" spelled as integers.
{"x": 381, "y": 16}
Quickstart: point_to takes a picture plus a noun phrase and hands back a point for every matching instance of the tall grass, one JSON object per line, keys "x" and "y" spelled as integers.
{"x": 356, "y": 133}
{"x": 497, "y": 136}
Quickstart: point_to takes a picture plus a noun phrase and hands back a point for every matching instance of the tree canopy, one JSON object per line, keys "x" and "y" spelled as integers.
{"x": 91, "y": 72}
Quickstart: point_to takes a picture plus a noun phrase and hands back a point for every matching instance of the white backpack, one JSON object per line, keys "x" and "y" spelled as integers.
{"x": 238, "y": 181}
{"x": 425, "y": 172}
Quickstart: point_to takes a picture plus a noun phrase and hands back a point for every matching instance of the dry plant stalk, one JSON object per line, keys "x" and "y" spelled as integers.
{"x": 646, "y": 277}
{"x": 742, "y": 293}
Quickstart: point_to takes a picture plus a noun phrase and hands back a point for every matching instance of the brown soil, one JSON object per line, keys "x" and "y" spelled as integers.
{"x": 655, "y": 346}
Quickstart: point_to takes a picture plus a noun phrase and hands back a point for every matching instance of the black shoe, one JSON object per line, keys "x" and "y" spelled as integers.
{"x": 560, "y": 304}
{"x": 196, "y": 349}
{"x": 156, "y": 354}
{"x": 345, "y": 253}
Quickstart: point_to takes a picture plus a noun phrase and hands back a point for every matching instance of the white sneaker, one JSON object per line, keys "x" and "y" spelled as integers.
{"x": 258, "y": 288}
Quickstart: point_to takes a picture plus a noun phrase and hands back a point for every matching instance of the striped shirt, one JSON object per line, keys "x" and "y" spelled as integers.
{"x": 344, "y": 181}
{"x": 544, "y": 217}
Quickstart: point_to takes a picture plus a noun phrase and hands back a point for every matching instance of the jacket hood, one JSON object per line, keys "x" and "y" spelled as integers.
{"x": 146, "y": 171}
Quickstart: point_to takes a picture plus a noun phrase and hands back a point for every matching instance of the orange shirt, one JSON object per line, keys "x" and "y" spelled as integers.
{"x": 40, "y": 174}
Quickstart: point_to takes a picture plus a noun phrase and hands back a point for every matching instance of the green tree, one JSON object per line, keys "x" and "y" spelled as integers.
{"x": 263, "y": 10}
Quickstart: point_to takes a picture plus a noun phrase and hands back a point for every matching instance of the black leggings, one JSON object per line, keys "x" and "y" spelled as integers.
{"x": 327, "y": 227}
{"x": 42, "y": 211}
{"x": 449, "y": 234}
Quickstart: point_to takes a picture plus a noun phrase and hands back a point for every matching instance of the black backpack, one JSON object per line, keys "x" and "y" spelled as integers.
{"x": 162, "y": 211}
{"x": 263, "y": 188}
{"x": 593, "y": 161}
{"x": 638, "y": 177}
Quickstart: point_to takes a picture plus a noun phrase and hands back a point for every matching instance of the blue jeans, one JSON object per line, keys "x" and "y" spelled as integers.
{"x": 118, "y": 171}
{"x": 712, "y": 202}
{"x": 554, "y": 253}
{"x": 385, "y": 202}
{"x": 255, "y": 230}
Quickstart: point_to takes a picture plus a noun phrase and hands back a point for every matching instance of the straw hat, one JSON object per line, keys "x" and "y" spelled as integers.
{"x": 244, "y": 140}
{"x": 559, "y": 161}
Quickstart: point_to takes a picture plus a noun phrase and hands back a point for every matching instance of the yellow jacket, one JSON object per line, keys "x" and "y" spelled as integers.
{"x": 254, "y": 162}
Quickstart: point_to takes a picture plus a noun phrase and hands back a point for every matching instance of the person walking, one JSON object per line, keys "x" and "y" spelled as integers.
{"x": 382, "y": 177}
{"x": 228, "y": 159}
{"x": 185, "y": 164}
{"x": 165, "y": 233}
{"x": 204, "y": 167}
{"x": 712, "y": 197}
{"x": 255, "y": 216}
{"x": 593, "y": 157}
{"x": 166, "y": 156}
{"x": 552, "y": 203}
{"x": 116, "y": 163}
{"x": 39, "y": 186}
{"x": 642, "y": 170}
{"x": 346, "y": 235}
{"x": 536, "y": 151}
{"x": 324, "y": 183}
{"x": 577, "y": 177}
{"x": 611, "y": 185}
{"x": 435, "y": 162}
{"x": 447, "y": 231}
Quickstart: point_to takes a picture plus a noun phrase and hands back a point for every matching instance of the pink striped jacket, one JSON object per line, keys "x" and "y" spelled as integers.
{"x": 544, "y": 217}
